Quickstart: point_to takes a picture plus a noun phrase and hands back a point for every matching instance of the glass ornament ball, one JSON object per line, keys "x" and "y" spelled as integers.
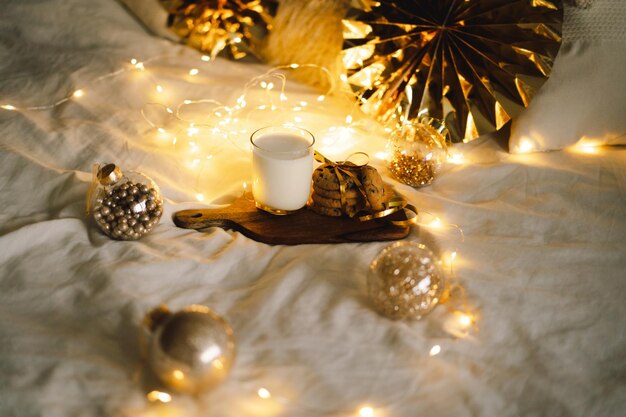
{"x": 191, "y": 350}
{"x": 125, "y": 205}
{"x": 405, "y": 281}
{"x": 417, "y": 151}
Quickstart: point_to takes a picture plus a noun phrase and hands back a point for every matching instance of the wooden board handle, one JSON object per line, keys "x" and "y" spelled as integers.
{"x": 302, "y": 227}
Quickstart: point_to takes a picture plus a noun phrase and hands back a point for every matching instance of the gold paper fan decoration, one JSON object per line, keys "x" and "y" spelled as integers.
{"x": 473, "y": 63}
{"x": 233, "y": 28}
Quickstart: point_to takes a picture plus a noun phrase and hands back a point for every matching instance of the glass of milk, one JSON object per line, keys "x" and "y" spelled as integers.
{"x": 282, "y": 166}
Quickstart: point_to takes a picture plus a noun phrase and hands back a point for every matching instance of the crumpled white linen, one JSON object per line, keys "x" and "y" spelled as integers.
{"x": 542, "y": 261}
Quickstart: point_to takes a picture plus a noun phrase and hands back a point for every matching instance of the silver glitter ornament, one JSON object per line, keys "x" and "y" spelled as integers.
{"x": 192, "y": 350}
{"x": 405, "y": 281}
{"x": 125, "y": 206}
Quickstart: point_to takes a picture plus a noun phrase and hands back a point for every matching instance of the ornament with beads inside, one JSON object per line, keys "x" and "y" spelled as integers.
{"x": 125, "y": 206}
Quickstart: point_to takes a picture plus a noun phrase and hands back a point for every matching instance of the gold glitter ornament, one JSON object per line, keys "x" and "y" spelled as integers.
{"x": 474, "y": 64}
{"x": 192, "y": 350}
{"x": 405, "y": 281}
{"x": 234, "y": 28}
{"x": 416, "y": 151}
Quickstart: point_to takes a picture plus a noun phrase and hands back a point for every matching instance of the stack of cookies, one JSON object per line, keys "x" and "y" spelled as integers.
{"x": 326, "y": 197}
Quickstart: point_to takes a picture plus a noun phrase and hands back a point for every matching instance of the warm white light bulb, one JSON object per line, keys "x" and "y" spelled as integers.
{"x": 465, "y": 320}
{"x": 382, "y": 155}
{"x": 435, "y": 350}
{"x": 589, "y": 148}
{"x": 264, "y": 393}
{"x": 78, "y": 93}
{"x": 8, "y": 107}
{"x": 366, "y": 411}
{"x": 205, "y": 58}
{"x": 164, "y": 397}
{"x": 436, "y": 224}
{"x": 525, "y": 146}
{"x": 456, "y": 158}
{"x": 193, "y": 71}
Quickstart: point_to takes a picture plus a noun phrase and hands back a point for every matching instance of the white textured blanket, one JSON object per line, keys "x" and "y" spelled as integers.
{"x": 543, "y": 261}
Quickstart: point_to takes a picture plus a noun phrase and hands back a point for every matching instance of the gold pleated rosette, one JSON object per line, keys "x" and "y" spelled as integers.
{"x": 473, "y": 64}
{"x": 231, "y": 28}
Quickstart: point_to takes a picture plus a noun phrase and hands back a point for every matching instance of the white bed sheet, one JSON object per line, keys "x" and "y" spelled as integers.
{"x": 542, "y": 262}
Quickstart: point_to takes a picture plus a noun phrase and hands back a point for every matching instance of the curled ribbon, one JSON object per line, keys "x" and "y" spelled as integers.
{"x": 92, "y": 188}
{"x": 107, "y": 174}
{"x": 396, "y": 204}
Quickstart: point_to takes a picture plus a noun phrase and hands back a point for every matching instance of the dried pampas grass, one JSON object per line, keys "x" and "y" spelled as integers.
{"x": 308, "y": 32}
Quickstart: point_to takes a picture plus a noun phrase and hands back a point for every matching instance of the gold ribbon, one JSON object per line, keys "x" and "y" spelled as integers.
{"x": 92, "y": 188}
{"x": 396, "y": 204}
{"x": 107, "y": 174}
{"x": 344, "y": 167}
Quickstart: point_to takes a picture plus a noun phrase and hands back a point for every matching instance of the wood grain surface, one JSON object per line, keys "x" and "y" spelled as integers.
{"x": 302, "y": 227}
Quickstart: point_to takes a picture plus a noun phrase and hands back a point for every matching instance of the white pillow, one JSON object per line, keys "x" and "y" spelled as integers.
{"x": 585, "y": 97}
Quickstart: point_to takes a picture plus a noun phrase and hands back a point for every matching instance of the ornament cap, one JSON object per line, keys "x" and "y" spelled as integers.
{"x": 109, "y": 174}
{"x": 437, "y": 124}
{"x": 156, "y": 317}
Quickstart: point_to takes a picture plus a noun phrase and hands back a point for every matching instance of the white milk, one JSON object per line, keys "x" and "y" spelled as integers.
{"x": 282, "y": 166}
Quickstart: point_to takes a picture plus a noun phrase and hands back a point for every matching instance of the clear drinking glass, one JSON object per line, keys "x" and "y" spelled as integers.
{"x": 282, "y": 166}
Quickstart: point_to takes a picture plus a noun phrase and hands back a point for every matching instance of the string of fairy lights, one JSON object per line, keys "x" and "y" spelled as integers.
{"x": 227, "y": 121}
{"x": 268, "y": 93}
{"x": 272, "y": 80}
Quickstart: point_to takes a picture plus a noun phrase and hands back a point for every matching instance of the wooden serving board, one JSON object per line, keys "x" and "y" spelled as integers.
{"x": 302, "y": 227}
